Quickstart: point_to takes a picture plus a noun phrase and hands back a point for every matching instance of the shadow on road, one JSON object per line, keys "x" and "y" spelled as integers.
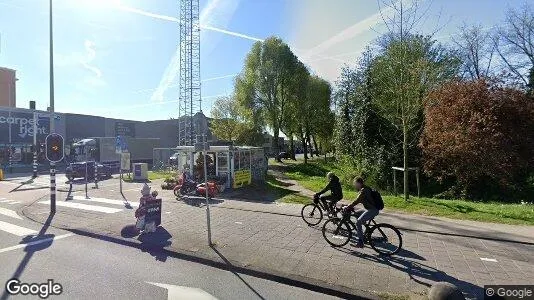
{"x": 293, "y": 281}
{"x": 235, "y": 273}
{"x": 421, "y": 273}
{"x": 31, "y": 248}
{"x": 153, "y": 242}
{"x": 22, "y": 184}
{"x": 199, "y": 201}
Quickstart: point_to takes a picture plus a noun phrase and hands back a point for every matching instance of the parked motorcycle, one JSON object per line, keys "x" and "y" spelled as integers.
{"x": 189, "y": 187}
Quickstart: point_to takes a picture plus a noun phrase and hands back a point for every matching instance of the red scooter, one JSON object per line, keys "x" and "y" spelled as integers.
{"x": 189, "y": 187}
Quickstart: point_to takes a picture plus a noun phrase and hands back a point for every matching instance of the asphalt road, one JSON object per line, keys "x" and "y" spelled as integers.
{"x": 89, "y": 268}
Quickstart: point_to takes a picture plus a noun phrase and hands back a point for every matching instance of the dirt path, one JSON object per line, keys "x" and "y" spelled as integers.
{"x": 290, "y": 184}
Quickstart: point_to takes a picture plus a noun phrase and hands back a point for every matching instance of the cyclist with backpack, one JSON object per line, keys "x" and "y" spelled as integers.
{"x": 372, "y": 204}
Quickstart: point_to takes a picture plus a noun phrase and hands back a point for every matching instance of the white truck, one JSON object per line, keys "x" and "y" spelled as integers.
{"x": 102, "y": 150}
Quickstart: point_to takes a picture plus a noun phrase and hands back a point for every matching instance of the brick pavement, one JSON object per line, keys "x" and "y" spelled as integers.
{"x": 272, "y": 238}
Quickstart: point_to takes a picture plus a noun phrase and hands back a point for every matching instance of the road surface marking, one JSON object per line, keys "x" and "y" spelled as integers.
{"x": 36, "y": 242}
{"x": 240, "y": 223}
{"x": 14, "y": 202}
{"x": 5, "y": 201}
{"x": 103, "y": 209}
{"x": 488, "y": 259}
{"x": 9, "y": 213}
{"x": 183, "y": 292}
{"x": 16, "y": 230}
{"x": 104, "y": 200}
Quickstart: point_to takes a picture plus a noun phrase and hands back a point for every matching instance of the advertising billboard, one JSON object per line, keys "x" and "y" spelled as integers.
{"x": 18, "y": 126}
{"x": 124, "y": 129}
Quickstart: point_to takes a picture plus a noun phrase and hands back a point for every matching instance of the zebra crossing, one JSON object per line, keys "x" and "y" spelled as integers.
{"x": 13, "y": 227}
{"x": 9, "y": 202}
{"x": 13, "y": 224}
{"x": 18, "y": 233}
{"x": 94, "y": 204}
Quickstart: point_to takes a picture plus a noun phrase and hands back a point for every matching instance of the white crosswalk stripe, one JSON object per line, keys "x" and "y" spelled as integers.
{"x": 107, "y": 210}
{"x": 15, "y": 229}
{"x": 9, "y": 213}
{"x": 108, "y": 201}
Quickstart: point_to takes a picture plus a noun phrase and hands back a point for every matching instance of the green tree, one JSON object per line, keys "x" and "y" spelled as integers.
{"x": 402, "y": 74}
{"x": 232, "y": 122}
{"x": 297, "y": 102}
{"x": 266, "y": 82}
{"x": 227, "y": 123}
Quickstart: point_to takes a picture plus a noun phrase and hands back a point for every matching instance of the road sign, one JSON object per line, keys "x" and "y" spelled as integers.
{"x": 54, "y": 147}
{"x": 125, "y": 161}
{"x": 120, "y": 145}
{"x": 153, "y": 212}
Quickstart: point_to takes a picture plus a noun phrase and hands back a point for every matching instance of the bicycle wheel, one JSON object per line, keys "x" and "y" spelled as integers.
{"x": 385, "y": 239}
{"x": 337, "y": 232}
{"x": 312, "y": 214}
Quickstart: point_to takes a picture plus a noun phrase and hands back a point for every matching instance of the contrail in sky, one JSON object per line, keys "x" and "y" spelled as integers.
{"x": 203, "y": 80}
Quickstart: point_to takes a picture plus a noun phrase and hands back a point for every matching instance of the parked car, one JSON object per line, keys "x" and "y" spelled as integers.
{"x": 284, "y": 155}
{"x": 173, "y": 160}
{"x": 77, "y": 170}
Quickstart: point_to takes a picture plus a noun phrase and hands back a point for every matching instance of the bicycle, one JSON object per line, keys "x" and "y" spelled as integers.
{"x": 317, "y": 207}
{"x": 342, "y": 229}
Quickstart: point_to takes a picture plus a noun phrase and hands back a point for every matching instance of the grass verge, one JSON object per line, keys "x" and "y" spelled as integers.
{"x": 283, "y": 194}
{"x": 312, "y": 177}
{"x": 152, "y": 175}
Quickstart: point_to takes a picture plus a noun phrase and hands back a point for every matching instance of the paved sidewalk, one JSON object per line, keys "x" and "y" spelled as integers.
{"x": 272, "y": 238}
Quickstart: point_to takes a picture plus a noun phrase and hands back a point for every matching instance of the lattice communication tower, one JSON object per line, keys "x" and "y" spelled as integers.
{"x": 190, "y": 96}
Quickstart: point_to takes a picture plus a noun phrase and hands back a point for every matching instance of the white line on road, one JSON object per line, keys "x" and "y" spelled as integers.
{"x": 103, "y": 209}
{"x": 14, "y": 202}
{"x": 36, "y": 242}
{"x": 184, "y": 292}
{"x": 5, "y": 201}
{"x": 488, "y": 259}
{"x": 104, "y": 200}
{"x": 9, "y": 213}
{"x": 14, "y": 229}
{"x": 240, "y": 223}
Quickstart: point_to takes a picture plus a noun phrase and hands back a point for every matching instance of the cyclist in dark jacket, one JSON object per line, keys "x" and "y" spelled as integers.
{"x": 336, "y": 193}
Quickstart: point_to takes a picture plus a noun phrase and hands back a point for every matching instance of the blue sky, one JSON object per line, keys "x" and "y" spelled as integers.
{"x": 115, "y": 58}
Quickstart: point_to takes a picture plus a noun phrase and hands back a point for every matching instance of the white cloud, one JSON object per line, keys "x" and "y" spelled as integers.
{"x": 89, "y": 58}
{"x": 85, "y": 59}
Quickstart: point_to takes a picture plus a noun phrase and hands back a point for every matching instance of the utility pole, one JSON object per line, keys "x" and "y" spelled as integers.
{"x": 35, "y": 144}
{"x": 205, "y": 145}
{"x": 52, "y": 117}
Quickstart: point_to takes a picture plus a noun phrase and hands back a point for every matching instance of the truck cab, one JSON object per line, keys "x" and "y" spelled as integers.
{"x": 84, "y": 156}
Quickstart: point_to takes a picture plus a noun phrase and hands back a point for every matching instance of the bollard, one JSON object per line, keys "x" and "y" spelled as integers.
{"x": 69, "y": 195}
{"x": 86, "y": 195}
{"x": 1, "y": 174}
{"x": 34, "y": 164}
{"x": 96, "y": 176}
{"x": 445, "y": 291}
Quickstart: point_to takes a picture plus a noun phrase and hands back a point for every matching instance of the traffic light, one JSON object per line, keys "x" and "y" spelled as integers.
{"x": 54, "y": 147}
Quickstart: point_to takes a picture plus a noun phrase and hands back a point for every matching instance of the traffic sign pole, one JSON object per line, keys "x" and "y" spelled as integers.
{"x": 54, "y": 153}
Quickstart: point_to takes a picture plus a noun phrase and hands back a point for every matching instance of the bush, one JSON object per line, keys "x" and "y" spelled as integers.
{"x": 480, "y": 135}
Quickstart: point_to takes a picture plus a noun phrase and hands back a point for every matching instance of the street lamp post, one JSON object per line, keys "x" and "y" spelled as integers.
{"x": 52, "y": 125}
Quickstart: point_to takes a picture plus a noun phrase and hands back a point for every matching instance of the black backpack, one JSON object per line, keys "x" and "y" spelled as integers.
{"x": 379, "y": 203}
